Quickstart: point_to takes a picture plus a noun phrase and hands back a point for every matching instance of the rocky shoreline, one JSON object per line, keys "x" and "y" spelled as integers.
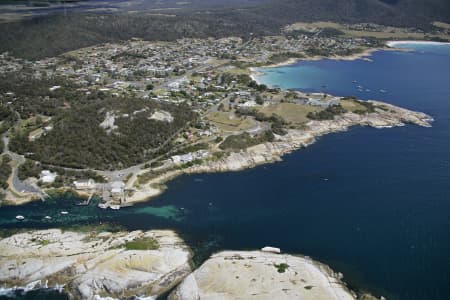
{"x": 385, "y": 116}
{"x": 90, "y": 265}
{"x": 232, "y": 275}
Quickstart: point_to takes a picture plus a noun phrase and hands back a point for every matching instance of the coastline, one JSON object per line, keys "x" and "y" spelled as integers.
{"x": 255, "y": 72}
{"x": 385, "y": 116}
{"x": 272, "y": 152}
{"x": 393, "y": 44}
{"x": 85, "y": 264}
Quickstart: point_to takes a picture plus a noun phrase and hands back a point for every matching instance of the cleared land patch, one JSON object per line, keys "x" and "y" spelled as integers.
{"x": 290, "y": 112}
{"x": 230, "y": 122}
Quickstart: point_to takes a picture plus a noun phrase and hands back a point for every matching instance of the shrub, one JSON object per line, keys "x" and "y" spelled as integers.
{"x": 145, "y": 243}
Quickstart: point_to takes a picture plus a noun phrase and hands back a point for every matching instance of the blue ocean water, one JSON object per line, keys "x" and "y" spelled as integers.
{"x": 374, "y": 204}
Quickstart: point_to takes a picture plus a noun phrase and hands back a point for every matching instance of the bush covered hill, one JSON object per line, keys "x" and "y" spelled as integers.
{"x": 54, "y": 34}
{"x": 77, "y": 138}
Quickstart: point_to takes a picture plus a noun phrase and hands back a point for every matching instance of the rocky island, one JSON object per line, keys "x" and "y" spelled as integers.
{"x": 260, "y": 275}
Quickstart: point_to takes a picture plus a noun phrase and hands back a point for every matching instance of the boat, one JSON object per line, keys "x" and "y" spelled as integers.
{"x": 64, "y": 212}
{"x": 271, "y": 249}
{"x": 20, "y": 218}
{"x": 102, "y": 205}
{"x": 47, "y": 217}
{"x": 382, "y": 91}
{"x": 115, "y": 207}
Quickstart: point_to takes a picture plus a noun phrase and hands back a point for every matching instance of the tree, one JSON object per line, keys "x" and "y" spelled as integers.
{"x": 259, "y": 100}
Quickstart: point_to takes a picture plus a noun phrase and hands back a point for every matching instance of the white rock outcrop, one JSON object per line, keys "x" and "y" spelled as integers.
{"x": 94, "y": 264}
{"x": 260, "y": 275}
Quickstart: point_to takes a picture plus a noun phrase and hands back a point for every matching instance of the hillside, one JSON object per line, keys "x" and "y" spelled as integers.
{"x": 51, "y": 35}
{"x": 386, "y": 12}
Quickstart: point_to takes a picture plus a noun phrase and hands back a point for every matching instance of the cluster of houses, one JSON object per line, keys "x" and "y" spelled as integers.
{"x": 190, "y": 157}
{"x": 319, "y": 99}
{"x": 113, "y": 193}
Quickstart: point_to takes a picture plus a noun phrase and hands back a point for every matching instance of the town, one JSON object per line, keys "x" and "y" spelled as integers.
{"x": 211, "y": 78}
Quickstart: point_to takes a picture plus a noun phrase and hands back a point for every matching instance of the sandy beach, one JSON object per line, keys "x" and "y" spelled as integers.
{"x": 256, "y": 72}
{"x": 393, "y": 44}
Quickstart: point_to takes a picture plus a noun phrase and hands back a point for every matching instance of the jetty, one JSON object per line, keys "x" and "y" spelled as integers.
{"x": 87, "y": 201}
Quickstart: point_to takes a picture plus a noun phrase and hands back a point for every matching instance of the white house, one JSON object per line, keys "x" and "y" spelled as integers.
{"x": 84, "y": 184}
{"x": 47, "y": 176}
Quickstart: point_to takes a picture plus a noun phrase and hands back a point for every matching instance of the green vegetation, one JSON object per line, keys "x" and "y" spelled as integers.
{"x": 278, "y": 123}
{"x": 31, "y": 37}
{"x": 369, "y": 107}
{"x": 5, "y": 171}
{"x": 7, "y": 119}
{"x": 77, "y": 140}
{"x": 281, "y": 268}
{"x": 144, "y": 243}
{"x": 44, "y": 242}
{"x": 147, "y": 176}
{"x": 328, "y": 113}
{"x": 245, "y": 140}
{"x": 284, "y": 56}
{"x": 357, "y": 106}
{"x": 330, "y": 32}
{"x": 29, "y": 169}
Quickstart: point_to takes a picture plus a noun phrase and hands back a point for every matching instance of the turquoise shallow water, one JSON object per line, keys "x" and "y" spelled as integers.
{"x": 373, "y": 204}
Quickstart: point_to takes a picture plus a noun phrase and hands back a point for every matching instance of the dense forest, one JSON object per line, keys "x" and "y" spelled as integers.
{"x": 76, "y": 138}
{"x": 54, "y": 34}
{"x": 78, "y": 141}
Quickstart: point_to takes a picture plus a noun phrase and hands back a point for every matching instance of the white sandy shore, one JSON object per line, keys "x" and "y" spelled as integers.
{"x": 255, "y": 72}
{"x": 406, "y": 42}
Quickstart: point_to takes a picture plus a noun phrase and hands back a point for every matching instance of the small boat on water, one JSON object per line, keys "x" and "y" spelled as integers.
{"x": 382, "y": 91}
{"x": 20, "y": 218}
{"x": 64, "y": 212}
{"x": 115, "y": 207}
{"x": 47, "y": 217}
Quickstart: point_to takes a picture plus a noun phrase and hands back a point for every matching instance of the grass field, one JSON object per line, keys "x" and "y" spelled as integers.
{"x": 228, "y": 122}
{"x": 352, "y": 105}
{"x": 238, "y": 71}
{"x": 290, "y": 112}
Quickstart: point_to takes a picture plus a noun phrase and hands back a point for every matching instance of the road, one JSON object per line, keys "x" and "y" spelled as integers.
{"x": 24, "y": 187}
{"x": 19, "y": 186}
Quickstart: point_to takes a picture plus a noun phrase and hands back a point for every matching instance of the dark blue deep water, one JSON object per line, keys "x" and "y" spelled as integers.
{"x": 374, "y": 204}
